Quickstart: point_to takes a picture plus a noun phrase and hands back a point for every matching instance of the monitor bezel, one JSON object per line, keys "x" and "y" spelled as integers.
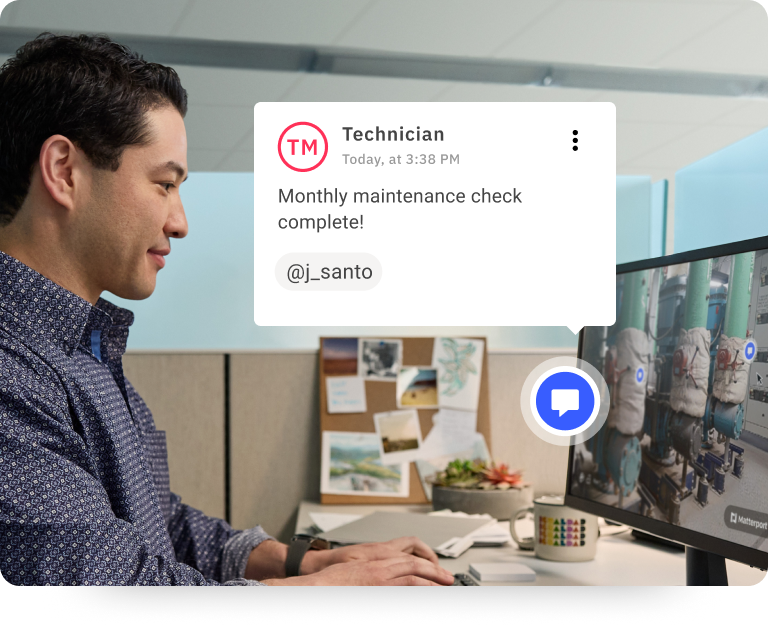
{"x": 728, "y": 549}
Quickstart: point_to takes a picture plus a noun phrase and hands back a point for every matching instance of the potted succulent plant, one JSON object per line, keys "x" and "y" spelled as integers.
{"x": 480, "y": 487}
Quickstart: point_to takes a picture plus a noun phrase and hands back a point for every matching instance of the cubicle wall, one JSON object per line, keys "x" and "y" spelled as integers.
{"x": 266, "y": 429}
{"x": 275, "y": 428}
{"x": 185, "y": 393}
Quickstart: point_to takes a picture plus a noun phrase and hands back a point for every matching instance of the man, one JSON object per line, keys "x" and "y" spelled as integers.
{"x": 92, "y": 153}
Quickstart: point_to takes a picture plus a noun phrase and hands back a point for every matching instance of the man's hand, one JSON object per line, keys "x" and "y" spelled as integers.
{"x": 404, "y": 569}
{"x": 317, "y": 560}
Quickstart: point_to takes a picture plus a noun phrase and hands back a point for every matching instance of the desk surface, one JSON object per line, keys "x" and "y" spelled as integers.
{"x": 620, "y": 560}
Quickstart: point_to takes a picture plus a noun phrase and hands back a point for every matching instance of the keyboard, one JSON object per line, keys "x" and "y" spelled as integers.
{"x": 464, "y": 580}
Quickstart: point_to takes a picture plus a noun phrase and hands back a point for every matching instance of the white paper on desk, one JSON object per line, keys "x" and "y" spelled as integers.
{"x": 329, "y": 521}
{"x": 459, "y": 364}
{"x": 461, "y": 514}
{"x": 454, "y": 547}
{"x": 346, "y": 394}
{"x": 496, "y": 534}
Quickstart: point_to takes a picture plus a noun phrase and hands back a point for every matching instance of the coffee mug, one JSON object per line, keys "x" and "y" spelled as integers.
{"x": 561, "y": 533}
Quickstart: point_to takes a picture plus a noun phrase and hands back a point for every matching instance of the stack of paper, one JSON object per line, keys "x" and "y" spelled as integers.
{"x": 449, "y": 513}
{"x": 455, "y": 546}
{"x": 494, "y": 534}
{"x": 328, "y": 521}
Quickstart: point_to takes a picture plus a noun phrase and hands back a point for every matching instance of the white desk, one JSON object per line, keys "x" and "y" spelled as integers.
{"x": 620, "y": 560}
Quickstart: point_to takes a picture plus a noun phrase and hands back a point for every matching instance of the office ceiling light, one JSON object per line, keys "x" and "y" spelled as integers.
{"x": 343, "y": 61}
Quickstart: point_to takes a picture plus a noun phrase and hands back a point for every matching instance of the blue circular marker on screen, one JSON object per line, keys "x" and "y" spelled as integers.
{"x": 749, "y": 350}
{"x": 640, "y": 374}
{"x": 565, "y": 401}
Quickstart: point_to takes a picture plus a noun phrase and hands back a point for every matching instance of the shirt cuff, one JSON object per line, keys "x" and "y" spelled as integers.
{"x": 243, "y": 582}
{"x": 234, "y": 557}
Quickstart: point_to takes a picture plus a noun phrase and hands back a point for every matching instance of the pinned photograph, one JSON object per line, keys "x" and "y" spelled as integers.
{"x": 417, "y": 387}
{"x": 380, "y": 359}
{"x": 340, "y": 356}
{"x": 399, "y": 435}
{"x": 351, "y": 465}
{"x": 459, "y": 364}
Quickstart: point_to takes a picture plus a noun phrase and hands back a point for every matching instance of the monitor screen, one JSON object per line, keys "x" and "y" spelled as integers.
{"x": 684, "y": 450}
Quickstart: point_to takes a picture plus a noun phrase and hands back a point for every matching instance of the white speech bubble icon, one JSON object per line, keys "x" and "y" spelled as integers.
{"x": 564, "y": 400}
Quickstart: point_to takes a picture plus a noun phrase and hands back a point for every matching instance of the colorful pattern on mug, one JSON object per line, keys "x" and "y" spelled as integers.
{"x": 556, "y": 531}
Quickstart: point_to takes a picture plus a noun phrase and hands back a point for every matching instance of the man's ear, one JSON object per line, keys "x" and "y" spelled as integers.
{"x": 60, "y": 162}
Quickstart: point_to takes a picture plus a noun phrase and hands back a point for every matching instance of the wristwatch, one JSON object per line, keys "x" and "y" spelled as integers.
{"x": 298, "y": 548}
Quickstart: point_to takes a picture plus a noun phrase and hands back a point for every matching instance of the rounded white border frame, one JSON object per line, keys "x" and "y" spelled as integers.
{"x": 595, "y": 394}
{"x": 754, "y": 344}
{"x": 557, "y": 437}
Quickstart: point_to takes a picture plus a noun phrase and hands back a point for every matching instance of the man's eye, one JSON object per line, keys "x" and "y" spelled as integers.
{"x": 167, "y": 186}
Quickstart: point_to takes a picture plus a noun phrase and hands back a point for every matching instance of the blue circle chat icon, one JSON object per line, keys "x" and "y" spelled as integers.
{"x": 565, "y": 401}
{"x": 640, "y": 374}
{"x": 749, "y": 350}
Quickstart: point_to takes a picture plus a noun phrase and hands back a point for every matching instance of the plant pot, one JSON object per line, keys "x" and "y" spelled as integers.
{"x": 501, "y": 504}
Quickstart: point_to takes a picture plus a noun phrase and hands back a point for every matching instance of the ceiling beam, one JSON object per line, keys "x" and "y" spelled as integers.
{"x": 348, "y": 62}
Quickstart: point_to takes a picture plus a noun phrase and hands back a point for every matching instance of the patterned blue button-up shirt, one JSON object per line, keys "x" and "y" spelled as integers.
{"x": 84, "y": 489}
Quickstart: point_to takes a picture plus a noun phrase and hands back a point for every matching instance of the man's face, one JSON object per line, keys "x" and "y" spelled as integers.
{"x": 127, "y": 218}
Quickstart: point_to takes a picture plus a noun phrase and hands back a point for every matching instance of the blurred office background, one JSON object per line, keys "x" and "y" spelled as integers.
{"x": 690, "y": 82}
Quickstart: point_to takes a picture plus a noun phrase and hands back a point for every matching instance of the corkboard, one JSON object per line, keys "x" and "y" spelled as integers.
{"x": 381, "y": 397}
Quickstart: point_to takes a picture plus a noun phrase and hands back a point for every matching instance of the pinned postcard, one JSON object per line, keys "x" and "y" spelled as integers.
{"x": 417, "y": 388}
{"x": 399, "y": 436}
{"x": 475, "y": 448}
{"x": 451, "y": 432}
{"x": 340, "y": 356}
{"x": 351, "y": 465}
{"x": 345, "y": 394}
{"x": 455, "y": 427}
{"x": 380, "y": 359}
{"x": 459, "y": 364}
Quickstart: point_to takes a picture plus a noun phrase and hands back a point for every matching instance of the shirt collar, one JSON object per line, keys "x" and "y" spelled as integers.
{"x": 39, "y": 312}
{"x": 113, "y": 323}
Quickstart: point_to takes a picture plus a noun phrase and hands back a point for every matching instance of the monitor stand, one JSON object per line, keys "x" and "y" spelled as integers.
{"x": 704, "y": 568}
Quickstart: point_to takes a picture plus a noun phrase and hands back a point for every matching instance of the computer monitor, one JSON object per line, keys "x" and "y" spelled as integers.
{"x": 684, "y": 451}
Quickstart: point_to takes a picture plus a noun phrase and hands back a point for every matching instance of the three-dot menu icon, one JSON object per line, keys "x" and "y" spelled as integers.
{"x": 575, "y": 140}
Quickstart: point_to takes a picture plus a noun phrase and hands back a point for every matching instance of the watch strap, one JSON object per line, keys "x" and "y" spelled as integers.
{"x": 296, "y": 551}
{"x": 298, "y": 547}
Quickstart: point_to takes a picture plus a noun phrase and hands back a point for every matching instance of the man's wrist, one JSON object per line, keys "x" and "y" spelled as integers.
{"x": 267, "y": 560}
{"x": 315, "y": 561}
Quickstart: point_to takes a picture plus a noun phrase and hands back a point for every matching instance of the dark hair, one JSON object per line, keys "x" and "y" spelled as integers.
{"x": 92, "y": 90}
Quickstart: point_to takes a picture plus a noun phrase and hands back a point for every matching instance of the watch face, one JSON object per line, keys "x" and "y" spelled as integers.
{"x": 315, "y": 543}
{"x": 319, "y": 544}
